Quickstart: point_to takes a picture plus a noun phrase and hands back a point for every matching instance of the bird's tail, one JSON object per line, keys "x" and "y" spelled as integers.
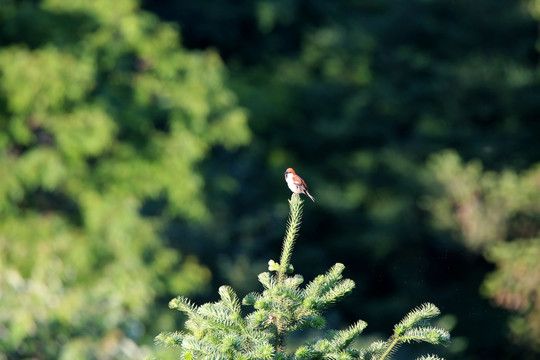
{"x": 308, "y": 194}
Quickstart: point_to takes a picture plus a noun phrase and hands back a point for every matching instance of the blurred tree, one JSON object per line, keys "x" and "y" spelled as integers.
{"x": 104, "y": 121}
{"x": 356, "y": 95}
{"x": 498, "y": 215}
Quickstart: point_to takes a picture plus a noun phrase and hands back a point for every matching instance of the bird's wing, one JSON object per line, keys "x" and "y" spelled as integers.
{"x": 297, "y": 180}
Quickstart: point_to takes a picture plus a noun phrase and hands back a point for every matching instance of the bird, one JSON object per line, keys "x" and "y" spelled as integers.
{"x": 296, "y": 183}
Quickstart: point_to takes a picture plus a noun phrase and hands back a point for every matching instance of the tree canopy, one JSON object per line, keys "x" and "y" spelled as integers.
{"x": 103, "y": 116}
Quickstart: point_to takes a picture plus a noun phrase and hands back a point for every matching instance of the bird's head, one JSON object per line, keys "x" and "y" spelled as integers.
{"x": 289, "y": 171}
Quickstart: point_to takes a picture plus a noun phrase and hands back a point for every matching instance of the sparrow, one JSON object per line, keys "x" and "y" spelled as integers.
{"x": 296, "y": 183}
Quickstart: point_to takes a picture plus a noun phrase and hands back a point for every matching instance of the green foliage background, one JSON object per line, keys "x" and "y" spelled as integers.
{"x": 142, "y": 153}
{"x": 103, "y": 113}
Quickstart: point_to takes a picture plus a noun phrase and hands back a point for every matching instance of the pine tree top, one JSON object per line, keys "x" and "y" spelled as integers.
{"x": 219, "y": 331}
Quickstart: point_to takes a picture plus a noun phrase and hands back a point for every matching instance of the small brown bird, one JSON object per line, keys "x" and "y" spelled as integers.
{"x": 296, "y": 183}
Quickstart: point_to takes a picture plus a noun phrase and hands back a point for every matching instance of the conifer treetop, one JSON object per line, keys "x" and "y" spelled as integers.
{"x": 219, "y": 331}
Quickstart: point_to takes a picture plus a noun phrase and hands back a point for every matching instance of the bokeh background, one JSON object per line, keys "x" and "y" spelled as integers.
{"x": 143, "y": 145}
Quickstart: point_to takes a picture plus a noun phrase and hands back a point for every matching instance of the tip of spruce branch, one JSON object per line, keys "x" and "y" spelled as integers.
{"x": 429, "y": 357}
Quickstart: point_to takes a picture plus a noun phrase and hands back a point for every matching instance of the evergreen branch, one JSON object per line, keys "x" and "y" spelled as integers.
{"x": 197, "y": 347}
{"x": 304, "y": 352}
{"x": 262, "y": 351}
{"x": 413, "y": 328}
{"x": 432, "y": 335}
{"x": 340, "y": 355}
{"x": 268, "y": 280}
{"x": 323, "y": 283}
{"x": 354, "y": 353}
{"x": 294, "y": 281}
{"x": 344, "y": 338}
{"x": 416, "y": 317}
{"x": 322, "y": 346}
{"x": 334, "y": 348}
{"x": 195, "y": 324}
{"x": 336, "y": 293}
{"x": 229, "y": 299}
{"x": 173, "y": 339}
{"x": 256, "y": 319}
{"x": 289, "y": 292}
{"x": 390, "y": 347}
{"x": 314, "y": 287}
{"x": 305, "y": 318}
{"x": 310, "y": 320}
{"x": 429, "y": 357}
{"x": 251, "y": 298}
{"x": 374, "y": 350}
{"x": 293, "y": 225}
{"x": 259, "y": 337}
{"x": 218, "y": 316}
{"x": 183, "y": 304}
